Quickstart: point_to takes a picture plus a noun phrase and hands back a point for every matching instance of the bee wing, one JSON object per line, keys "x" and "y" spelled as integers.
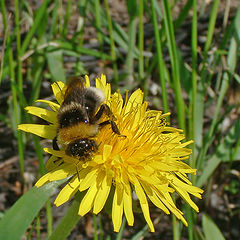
{"x": 76, "y": 82}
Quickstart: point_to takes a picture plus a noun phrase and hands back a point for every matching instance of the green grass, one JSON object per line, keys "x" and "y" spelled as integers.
{"x": 136, "y": 60}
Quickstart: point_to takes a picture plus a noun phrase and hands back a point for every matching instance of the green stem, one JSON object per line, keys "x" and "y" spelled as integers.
{"x": 98, "y": 20}
{"x": 4, "y": 19}
{"x": 141, "y": 48}
{"x": 175, "y": 224}
{"x": 193, "y": 114}
{"x": 120, "y": 234}
{"x": 69, "y": 221}
{"x": 201, "y": 88}
{"x": 66, "y": 19}
{"x": 35, "y": 26}
{"x": 231, "y": 62}
{"x": 174, "y": 64}
{"x": 131, "y": 44}
{"x": 18, "y": 40}
{"x": 160, "y": 61}
{"x": 95, "y": 227}
{"x": 112, "y": 44}
{"x": 49, "y": 217}
{"x": 192, "y": 107}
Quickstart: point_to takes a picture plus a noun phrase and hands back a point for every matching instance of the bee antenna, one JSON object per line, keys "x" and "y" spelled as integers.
{"x": 78, "y": 173}
{"x": 99, "y": 144}
{"x": 59, "y": 88}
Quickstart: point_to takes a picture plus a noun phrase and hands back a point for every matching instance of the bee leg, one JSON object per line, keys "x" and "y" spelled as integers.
{"x": 114, "y": 127}
{"x": 56, "y": 147}
{"x": 54, "y": 144}
{"x": 104, "y": 109}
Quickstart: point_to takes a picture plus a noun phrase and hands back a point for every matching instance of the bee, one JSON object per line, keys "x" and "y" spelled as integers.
{"x": 80, "y": 117}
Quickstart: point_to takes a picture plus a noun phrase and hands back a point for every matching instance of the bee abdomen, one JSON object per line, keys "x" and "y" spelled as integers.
{"x": 82, "y": 148}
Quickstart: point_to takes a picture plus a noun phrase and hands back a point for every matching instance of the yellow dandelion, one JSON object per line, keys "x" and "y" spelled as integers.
{"x": 148, "y": 158}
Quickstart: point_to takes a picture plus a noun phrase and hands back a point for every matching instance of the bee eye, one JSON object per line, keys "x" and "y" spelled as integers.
{"x": 85, "y": 121}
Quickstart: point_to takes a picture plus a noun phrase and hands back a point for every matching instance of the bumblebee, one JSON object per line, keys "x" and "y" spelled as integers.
{"x": 80, "y": 117}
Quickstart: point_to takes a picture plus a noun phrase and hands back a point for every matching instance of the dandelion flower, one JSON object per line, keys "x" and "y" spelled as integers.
{"x": 148, "y": 160}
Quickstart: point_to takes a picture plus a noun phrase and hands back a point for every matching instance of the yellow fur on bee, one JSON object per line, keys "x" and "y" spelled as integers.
{"x": 80, "y": 130}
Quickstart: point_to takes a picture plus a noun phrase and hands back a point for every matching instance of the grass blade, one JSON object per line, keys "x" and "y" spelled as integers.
{"x": 174, "y": 64}
{"x": 28, "y": 206}
{"x": 231, "y": 62}
{"x": 112, "y": 44}
{"x": 225, "y": 152}
{"x": 160, "y": 60}
{"x": 210, "y": 229}
{"x": 69, "y": 221}
{"x": 132, "y": 28}
{"x": 201, "y": 88}
{"x": 37, "y": 21}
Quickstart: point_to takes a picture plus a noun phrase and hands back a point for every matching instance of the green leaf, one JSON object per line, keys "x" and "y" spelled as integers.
{"x": 132, "y": 7}
{"x": 69, "y": 220}
{"x": 225, "y": 152}
{"x": 55, "y": 63}
{"x": 210, "y": 229}
{"x": 17, "y": 219}
{"x": 40, "y": 13}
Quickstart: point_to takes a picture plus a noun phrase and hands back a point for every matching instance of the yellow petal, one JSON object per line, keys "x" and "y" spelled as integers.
{"x": 157, "y": 202}
{"x": 127, "y": 204}
{"x": 57, "y": 91}
{"x": 98, "y": 159}
{"x": 45, "y": 114}
{"x": 87, "y": 202}
{"x": 61, "y": 86}
{"x": 54, "y": 106}
{"x": 134, "y": 100}
{"x": 183, "y": 189}
{"x": 102, "y": 194}
{"x": 144, "y": 204}
{"x": 101, "y": 82}
{"x": 167, "y": 200}
{"x": 43, "y": 180}
{"x": 63, "y": 171}
{"x": 183, "y": 176}
{"x": 44, "y": 131}
{"x": 117, "y": 208}
{"x": 56, "y": 153}
{"x": 68, "y": 191}
{"x": 117, "y": 104}
{"x": 146, "y": 214}
{"x": 88, "y": 179}
{"x": 53, "y": 162}
{"x": 107, "y": 149}
{"x": 186, "y": 143}
{"x": 106, "y": 88}
{"x": 163, "y": 166}
{"x": 87, "y": 81}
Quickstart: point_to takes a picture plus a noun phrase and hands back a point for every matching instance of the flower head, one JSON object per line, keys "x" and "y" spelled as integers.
{"x": 148, "y": 158}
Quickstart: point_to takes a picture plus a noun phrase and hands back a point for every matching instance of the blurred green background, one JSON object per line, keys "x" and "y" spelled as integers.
{"x": 184, "y": 55}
